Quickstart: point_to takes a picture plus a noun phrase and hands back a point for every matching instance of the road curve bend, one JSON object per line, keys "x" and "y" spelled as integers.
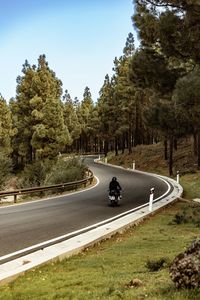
{"x": 25, "y": 225}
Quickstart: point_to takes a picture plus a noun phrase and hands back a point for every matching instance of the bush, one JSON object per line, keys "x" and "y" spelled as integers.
{"x": 5, "y": 169}
{"x": 68, "y": 170}
{"x": 156, "y": 265}
{"x": 191, "y": 215}
{"x": 50, "y": 172}
{"x": 34, "y": 174}
{"x": 179, "y": 219}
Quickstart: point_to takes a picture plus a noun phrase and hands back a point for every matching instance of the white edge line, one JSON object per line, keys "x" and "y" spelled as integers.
{"x": 71, "y": 233}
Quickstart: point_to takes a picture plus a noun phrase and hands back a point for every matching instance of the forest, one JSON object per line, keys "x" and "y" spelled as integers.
{"x": 153, "y": 96}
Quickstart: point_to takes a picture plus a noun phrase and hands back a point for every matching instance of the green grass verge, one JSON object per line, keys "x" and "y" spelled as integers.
{"x": 191, "y": 185}
{"x": 105, "y": 270}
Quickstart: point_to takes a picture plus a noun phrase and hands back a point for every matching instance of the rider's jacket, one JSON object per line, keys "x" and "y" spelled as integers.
{"x": 114, "y": 185}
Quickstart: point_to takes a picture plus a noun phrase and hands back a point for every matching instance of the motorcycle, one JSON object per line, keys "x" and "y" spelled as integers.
{"x": 114, "y": 197}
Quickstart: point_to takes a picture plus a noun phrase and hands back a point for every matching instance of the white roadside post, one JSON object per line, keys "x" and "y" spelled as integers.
{"x": 133, "y": 164}
{"x": 151, "y": 199}
{"x": 106, "y": 160}
{"x": 177, "y": 177}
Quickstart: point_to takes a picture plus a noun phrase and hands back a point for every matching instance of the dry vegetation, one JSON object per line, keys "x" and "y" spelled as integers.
{"x": 150, "y": 158}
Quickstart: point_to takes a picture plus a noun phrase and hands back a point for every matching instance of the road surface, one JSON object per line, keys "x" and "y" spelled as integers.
{"x": 27, "y": 224}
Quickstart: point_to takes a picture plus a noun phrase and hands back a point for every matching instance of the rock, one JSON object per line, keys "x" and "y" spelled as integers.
{"x": 185, "y": 269}
{"x": 134, "y": 283}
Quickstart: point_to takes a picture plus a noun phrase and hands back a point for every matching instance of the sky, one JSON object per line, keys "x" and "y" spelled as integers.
{"x": 80, "y": 39}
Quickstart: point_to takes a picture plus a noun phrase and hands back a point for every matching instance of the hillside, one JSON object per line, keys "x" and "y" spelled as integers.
{"x": 150, "y": 158}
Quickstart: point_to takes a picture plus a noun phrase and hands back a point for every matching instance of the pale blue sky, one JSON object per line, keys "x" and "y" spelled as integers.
{"x": 80, "y": 39}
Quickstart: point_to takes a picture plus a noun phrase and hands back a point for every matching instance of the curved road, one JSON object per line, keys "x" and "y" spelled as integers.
{"x": 27, "y": 224}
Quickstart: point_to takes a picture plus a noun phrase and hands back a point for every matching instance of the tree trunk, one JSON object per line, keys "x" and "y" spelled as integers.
{"x": 171, "y": 156}
{"x": 129, "y": 139}
{"x": 30, "y": 155}
{"x": 165, "y": 150}
{"x": 123, "y": 144}
{"x": 101, "y": 146}
{"x": 116, "y": 146}
{"x": 136, "y": 131}
{"x": 175, "y": 144}
{"x": 80, "y": 143}
{"x": 198, "y": 150}
{"x": 106, "y": 147}
{"x": 95, "y": 145}
{"x": 195, "y": 145}
{"x": 86, "y": 144}
{"x": 34, "y": 154}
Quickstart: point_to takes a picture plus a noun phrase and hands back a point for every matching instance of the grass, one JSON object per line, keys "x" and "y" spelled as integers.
{"x": 191, "y": 185}
{"x": 105, "y": 271}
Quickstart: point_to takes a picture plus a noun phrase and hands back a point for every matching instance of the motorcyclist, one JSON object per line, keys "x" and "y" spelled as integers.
{"x": 114, "y": 185}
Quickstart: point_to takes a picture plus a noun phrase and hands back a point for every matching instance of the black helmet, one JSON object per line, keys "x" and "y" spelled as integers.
{"x": 114, "y": 179}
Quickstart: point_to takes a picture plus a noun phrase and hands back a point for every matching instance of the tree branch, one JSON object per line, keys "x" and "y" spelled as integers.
{"x": 162, "y": 4}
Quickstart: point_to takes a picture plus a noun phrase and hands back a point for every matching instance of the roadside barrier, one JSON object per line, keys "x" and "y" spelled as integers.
{"x": 71, "y": 185}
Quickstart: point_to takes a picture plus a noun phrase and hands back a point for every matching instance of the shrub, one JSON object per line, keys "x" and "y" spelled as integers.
{"x": 156, "y": 265}
{"x": 50, "y": 172}
{"x": 34, "y": 174}
{"x": 71, "y": 169}
{"x": 5, "y": 169}
{"x": 179, "y": 219}
{"x": 191, "y": 215}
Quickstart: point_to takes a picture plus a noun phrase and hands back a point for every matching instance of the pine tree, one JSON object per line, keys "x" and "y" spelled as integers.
{"x": 6, "y": 133}
{"x": 173, "y": 24}
{"x": 36, "y": 88}
{"x": 187, "y": 100}
{"x": 125, "y": 92}
{"x": 50, "y": 135}
{"x": 21, "y": 112}
{"x": 168, "y": 30}
{"x": 107, "y": 114}
{"x": 6, "y": 127}
{"x": 71, "y": 119}
{"x": 85, "y": 114}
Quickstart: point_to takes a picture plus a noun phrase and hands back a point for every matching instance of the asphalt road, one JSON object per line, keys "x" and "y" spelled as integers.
{"x": 25, "y": 225}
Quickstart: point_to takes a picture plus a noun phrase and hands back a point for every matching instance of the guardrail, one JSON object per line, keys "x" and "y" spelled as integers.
{"x": 72, "y": 185}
